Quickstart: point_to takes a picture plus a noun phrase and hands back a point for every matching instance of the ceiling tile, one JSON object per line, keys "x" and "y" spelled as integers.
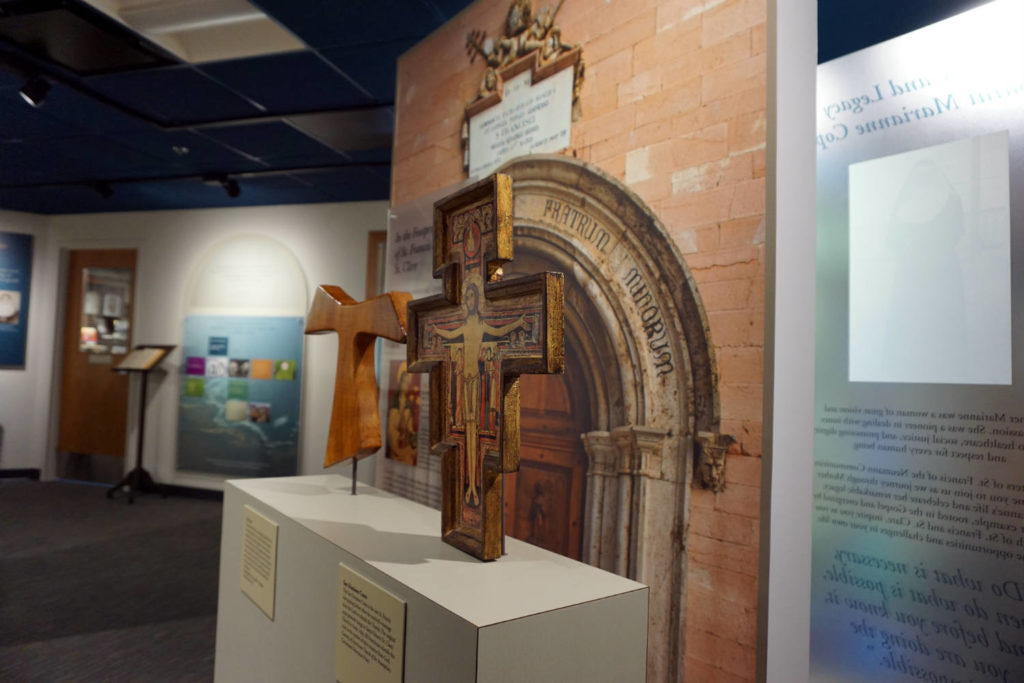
{"x": 77, "y": 139}
{"x": 178, "y": 95}
{"x": 19, "y": 121}
{"x": 167, "y": 195}
{"x": 351, "y": 184}
{"x": 48, "y": 201}
{"x": 845, "y": 27}
{"x": 20, "y": 164}
{"x": 325, "y": 23}
{"x": 275, "y": 142}
{"x": 9, "y": 80}
{"x": 376, "y": 75}
{"x": 292, "y": 82}
{"x": 366, "y": 128}
{"x": 203, "y": 155}
{"x": 80, "y": 113}
{"x": 380, "y": 155}
{"x": 83, "y": 158}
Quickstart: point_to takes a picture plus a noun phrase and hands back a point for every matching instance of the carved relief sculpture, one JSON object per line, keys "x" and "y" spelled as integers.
{"x": 531, "y": 40}
{"x": 475, "y": 339}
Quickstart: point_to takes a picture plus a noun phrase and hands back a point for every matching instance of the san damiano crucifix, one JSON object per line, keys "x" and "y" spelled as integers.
{"x": 475, "y": 339}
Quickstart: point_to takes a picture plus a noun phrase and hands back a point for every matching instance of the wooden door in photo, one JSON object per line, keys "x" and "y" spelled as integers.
{"x": 98, "y": 333}
{"x": 544, "y": 500}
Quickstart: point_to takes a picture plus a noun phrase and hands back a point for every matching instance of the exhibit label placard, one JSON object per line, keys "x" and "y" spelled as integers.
{"x": 15, "y": 278}
{"x": 259, "y": 559}
{"x": 240, "y": 395}
{"x": 532, "y": 118}
{"x": 407, "y": 468}
{"x": 918, "y": 517}
{"x": 370, "y": 644}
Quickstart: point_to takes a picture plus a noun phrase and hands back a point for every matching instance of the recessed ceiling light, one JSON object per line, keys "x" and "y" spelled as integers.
{"x": 200, "y": 31}
{"x": 35, "y": 91}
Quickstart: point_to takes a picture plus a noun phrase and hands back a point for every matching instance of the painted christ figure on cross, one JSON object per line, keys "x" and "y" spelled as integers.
{"x": 475, "y": 339}
{"x": 468, "y": 342}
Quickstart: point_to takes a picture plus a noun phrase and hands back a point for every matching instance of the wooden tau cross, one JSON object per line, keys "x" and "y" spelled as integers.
{"x": 475, "y": 339}
{"x": 355, "y": 421}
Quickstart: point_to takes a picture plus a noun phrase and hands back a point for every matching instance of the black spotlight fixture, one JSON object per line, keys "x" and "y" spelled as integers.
{"x": 231, "y": 186}
{"x": 35, "y": 91}
{"x": 104, "y": 189}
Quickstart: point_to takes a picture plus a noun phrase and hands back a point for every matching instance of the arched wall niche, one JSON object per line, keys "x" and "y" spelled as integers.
{"x": 247, "y": 274}
{"x": 635, "y": 320}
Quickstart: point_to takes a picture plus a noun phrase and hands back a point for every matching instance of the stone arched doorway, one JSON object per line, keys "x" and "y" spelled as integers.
{"x": 640, "y": 344}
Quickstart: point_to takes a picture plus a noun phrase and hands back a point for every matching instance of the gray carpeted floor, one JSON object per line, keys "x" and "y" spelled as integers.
{"x": 99, "y": 590}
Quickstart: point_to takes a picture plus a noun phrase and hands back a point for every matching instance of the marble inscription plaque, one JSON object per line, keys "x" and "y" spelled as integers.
{"x": 530, "y": 119}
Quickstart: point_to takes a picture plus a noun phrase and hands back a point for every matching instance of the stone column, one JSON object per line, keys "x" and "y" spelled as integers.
{"x": 600, "y": 515}
{"x": 655, "y": 550}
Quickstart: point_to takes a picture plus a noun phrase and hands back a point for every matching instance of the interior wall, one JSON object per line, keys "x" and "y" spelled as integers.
{"x": 329, "y": 241}
{"x": 25, "y": 392}
{"x": 673, "y": 104}
{"x": 784, "y": 625}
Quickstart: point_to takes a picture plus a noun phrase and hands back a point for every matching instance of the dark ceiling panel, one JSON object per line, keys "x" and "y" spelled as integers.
{"x": 18, "y": 121}
{"x": 275, "y": 142}
{"x": 86, "y": 157}
{"x": 189, "y": 153}
{"x": 165, "y": 195}
{"x": 81, "y": 113}
{"x": 327, "y": 23}
{"x": 174, "y": 96}
{"x": 381, "y": 155}
{"x": 376, "y": 75}
{"x": 345, "y": 131}
{"x": 351, "y": 184}
{"x": 281, "y": 189}
{"x": 845, "y": 27}
{"x": 48, "y": 201}
{"x": 78, "y": 37}
{"x": 20, "y": 163}
{"x": 295, "y": 81}
{"x": 9, "y": 80}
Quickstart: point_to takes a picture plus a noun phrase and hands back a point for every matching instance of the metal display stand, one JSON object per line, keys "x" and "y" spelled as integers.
{"x": 141, "y": 361}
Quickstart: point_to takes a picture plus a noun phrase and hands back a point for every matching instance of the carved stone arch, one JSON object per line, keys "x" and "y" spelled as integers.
{"x": 603, "y": 231}
{"x": 635, "y": 317}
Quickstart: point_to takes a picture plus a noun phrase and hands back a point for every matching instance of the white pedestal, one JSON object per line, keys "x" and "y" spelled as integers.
{"x": 529, "y": 616}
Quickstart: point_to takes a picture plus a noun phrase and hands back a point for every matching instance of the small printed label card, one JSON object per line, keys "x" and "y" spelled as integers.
{"x": 370, "y": 641}
{"x": 259, "y": 560}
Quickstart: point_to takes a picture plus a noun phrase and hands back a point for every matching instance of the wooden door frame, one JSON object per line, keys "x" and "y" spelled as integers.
{"x": 61, "y": 252}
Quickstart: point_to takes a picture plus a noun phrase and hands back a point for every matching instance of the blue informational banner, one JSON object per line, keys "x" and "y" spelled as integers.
{"x": 15, "y": 278}
{"x": 240, "y": 394}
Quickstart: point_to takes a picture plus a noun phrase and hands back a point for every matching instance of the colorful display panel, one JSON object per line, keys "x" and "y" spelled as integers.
{"x": 240, "y": 395}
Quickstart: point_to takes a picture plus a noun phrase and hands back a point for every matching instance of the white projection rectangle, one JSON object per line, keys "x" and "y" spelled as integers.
{"x": 930, "y": 265}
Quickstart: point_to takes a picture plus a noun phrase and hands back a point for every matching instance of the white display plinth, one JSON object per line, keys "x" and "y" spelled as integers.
{"x": 528, "y": 616}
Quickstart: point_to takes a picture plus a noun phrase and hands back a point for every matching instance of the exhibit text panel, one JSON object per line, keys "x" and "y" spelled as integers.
{"x": 918, "y": 502}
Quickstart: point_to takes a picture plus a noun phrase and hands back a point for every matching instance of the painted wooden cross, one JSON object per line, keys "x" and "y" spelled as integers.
{"x": 475, "y": 339}
{"x": 355, "y": 420}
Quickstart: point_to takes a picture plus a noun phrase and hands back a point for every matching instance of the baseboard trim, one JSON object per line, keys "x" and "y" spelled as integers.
{"x": 20, "y": 473}
{"x": 191, "y": 492}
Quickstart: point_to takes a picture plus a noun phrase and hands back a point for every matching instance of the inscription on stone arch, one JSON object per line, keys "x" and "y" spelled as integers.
{"x": 604, "y": 237}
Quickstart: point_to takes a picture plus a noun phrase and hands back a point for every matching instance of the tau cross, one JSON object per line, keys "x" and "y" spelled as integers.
{"x": 355, "y": 422}
{"x": 475, "y": 339}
